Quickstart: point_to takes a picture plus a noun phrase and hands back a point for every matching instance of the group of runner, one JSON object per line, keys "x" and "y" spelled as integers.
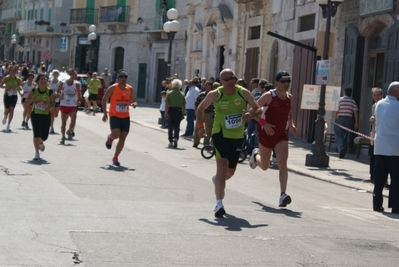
{"x": 42, "y": 101}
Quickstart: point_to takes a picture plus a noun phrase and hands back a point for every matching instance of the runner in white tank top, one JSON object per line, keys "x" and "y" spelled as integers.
{"x": 69, "y": 100}
{"x": 27, "y": 108}
{"x": 54, "y": 84}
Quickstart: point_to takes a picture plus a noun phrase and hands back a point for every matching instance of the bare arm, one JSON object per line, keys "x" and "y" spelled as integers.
{"x": 108, "y": 93}
{"x": 133, "y": 99}
{"x": 255, "y": 110}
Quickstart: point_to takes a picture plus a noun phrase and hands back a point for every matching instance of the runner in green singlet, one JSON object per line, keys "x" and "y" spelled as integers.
{"x": 229, "y": 101}
{"x": 12, "y": 88}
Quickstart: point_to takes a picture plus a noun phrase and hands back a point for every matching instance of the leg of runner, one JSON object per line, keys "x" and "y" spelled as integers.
{"x": 119, "y": 147}
{"x": 64, "y": 118}
{"x": 10, "y": 116}
{"x": 263, "y": 157}
{"x": 72, "y": 125}
{"x": 282, "y": 157}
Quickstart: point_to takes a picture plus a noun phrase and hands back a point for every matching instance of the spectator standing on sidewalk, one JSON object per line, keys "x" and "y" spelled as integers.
{"x": 377, "y": 95}
{"x": 344, "y": 116}
{"x": 164, "y": 123}
{"x": 209, "y": 114}
{"x": 257, "y": 93}
{"x": 229, "y": 101}
{"x": 175, "y": 107}
{"x": 93, "y": 87}
{"x": 273, "y": 128}
{"x": 107, "y": 78}
{"x": 191, "y": 96}
{"x": 386, "y": 149}
{"x": 121, "y": 96}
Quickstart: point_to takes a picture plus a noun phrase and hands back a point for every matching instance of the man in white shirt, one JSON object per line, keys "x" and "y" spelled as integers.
{"x": 107, "y": 78}
{"x": 386, "y": 149}
{"x": 191, "y": 96}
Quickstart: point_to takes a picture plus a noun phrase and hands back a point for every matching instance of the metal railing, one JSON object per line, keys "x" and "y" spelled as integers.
{"x": 115, "y": 14}
{"x": 83, "y": 16}
{"x": 11, "y": 13}
{"x": 160, "y": 19}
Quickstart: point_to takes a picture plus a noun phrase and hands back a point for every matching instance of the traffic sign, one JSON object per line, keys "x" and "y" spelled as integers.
{"x": 46, "y": 55}
{"x": 311, "y": 97}
{"x": 21, "y": 49}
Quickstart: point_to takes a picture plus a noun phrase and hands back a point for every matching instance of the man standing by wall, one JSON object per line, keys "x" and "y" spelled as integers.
{"x": 107, "y": 78}
{"x": 209, "y": 114}
{"x": 191, "y": 96}
{"x": 377, "y": 95}
{"x": 344, "y": 116}
{"x": 386, "y": 149}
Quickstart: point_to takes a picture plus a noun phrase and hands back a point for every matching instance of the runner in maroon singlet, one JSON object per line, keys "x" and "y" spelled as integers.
{"x": 273, "y": 126}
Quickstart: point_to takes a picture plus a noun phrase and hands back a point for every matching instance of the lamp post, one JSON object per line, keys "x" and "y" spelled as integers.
{"x": 318, "y": 156}
{"x": 171, "y": 27}
{"x": 13, "y": 42}
{"x": 92, "y": 38}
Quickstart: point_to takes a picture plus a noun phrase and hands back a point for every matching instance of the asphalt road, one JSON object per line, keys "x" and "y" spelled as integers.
{"x": 73, "y": 208}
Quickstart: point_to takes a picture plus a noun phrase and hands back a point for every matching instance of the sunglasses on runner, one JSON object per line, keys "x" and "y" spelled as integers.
{"x": 285, "y": 81}
{"x": 229, "y": 78}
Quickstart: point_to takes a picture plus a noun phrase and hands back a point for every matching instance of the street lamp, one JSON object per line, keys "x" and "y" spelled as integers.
{"x": 171, "y": 27}
{"x": 13, "y": 42}
{"x": 92, "y": 38}
{"x": 318, "y": 156}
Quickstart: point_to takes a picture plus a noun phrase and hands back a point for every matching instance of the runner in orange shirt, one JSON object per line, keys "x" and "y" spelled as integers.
{"x": 122, "y": 96}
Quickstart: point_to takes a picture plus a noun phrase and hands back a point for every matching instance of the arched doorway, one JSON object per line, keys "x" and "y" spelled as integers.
{"x": 119, "y": 58}
{"x": 375, "y": 69}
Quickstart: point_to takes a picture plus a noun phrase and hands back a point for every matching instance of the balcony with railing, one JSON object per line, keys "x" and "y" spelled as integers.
{"x": 83, "y": 16}
{"x": 160, "y": 19}
{"x": 29, "y": 27}
{"x": 11, "y": 14}
{"x": 114, "y": 14}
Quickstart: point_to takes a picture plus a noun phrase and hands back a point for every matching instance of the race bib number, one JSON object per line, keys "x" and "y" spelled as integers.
{"x": 233, "y": 121}
{"x": 41, "y": 105}
{"x": 70, "y": 98}
{"x": 121, "y": 107}
{"x": 26, "y": 93}
{"x": 12, "y": 92}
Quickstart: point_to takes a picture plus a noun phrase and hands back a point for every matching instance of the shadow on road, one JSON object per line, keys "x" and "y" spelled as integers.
{"x": 284, "y": 211}
{"x": 37, "y": 162}
{"x": 117, "y": 168}
{"x": 232, "y": 223}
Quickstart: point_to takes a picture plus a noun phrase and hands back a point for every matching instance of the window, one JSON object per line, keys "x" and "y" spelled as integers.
{"x": 49, "y": 14}
{"x": 254, "y": 33}
{"x": 306, "y": 23}
{"x": 41, "y": 13}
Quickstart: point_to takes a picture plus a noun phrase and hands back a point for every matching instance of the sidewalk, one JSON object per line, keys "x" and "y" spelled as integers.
{"x": 349, "y": 172}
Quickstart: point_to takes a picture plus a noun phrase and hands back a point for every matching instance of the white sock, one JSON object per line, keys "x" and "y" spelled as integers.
{"x": 219, "y": 202}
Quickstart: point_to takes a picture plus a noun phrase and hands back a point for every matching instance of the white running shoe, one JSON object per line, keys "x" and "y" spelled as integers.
{"x": 4, "y": 121}
{"x": 219, "y": 211}
{"x": 213, "y": 181}
{"x": 41, "y": 147}
{"x": 37, "y": 156}
{"x": 8, "y": 128}
{"x": 252, "y": 160}
{"x": 284, "y": 200}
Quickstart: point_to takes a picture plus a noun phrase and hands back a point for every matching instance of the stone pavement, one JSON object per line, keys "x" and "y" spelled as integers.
{"x": 349, "y": 172}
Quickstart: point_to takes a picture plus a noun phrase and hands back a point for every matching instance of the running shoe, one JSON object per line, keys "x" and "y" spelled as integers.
{"x": 62, "y": 140}
{"x": 174, "y": 142}
{"x": 284, "y": 200}
{"x": 115, "y": 161}
{"x": 94, "y": 113}
{"x": 27, "y": 126}
{"x": 88, "y": 111}
{"x": 8, "y": 128}
{"x": 219, "y": 211}
{"x": 69, "y": 133}
{"x": 170, "y": 145}
{"x": 108, "y": 143}
{"x": 4, "y": 121}
{"x": 51, "y": 130}
{"x": 23, "y": 124}
{"x": 252, "y": 159}
{"x": 213, "y": 181}
{"x": 72, "y": 133}
{"x": 37, "y": 156}
{"x": 41, "y": 147}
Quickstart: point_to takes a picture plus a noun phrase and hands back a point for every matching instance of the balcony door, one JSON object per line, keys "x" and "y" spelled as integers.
{"x": 122, "y": 5}
{"x": 90, "y": 8}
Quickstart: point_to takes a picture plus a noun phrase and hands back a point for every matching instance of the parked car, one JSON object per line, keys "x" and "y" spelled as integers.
{"x": 82, "y": 78}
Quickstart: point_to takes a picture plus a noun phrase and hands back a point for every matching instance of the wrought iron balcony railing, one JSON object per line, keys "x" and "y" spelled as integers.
{"x": 115, "y": 14}
{"x": 83, "y": 16}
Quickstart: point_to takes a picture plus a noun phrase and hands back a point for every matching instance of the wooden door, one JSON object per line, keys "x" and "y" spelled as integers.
{"x": 391, "y": 61}
{"x": 142, "y": 80}
{"x": 251, "y": 64}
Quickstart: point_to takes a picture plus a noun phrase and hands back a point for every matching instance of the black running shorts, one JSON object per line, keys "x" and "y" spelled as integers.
{"x": 227, "y": 148}
{"x": 120, "y": 123}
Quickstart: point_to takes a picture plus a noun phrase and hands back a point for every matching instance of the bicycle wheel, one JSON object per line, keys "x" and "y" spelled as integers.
{"x": 207, "y": 152}
{"x": 243, "y": 155}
